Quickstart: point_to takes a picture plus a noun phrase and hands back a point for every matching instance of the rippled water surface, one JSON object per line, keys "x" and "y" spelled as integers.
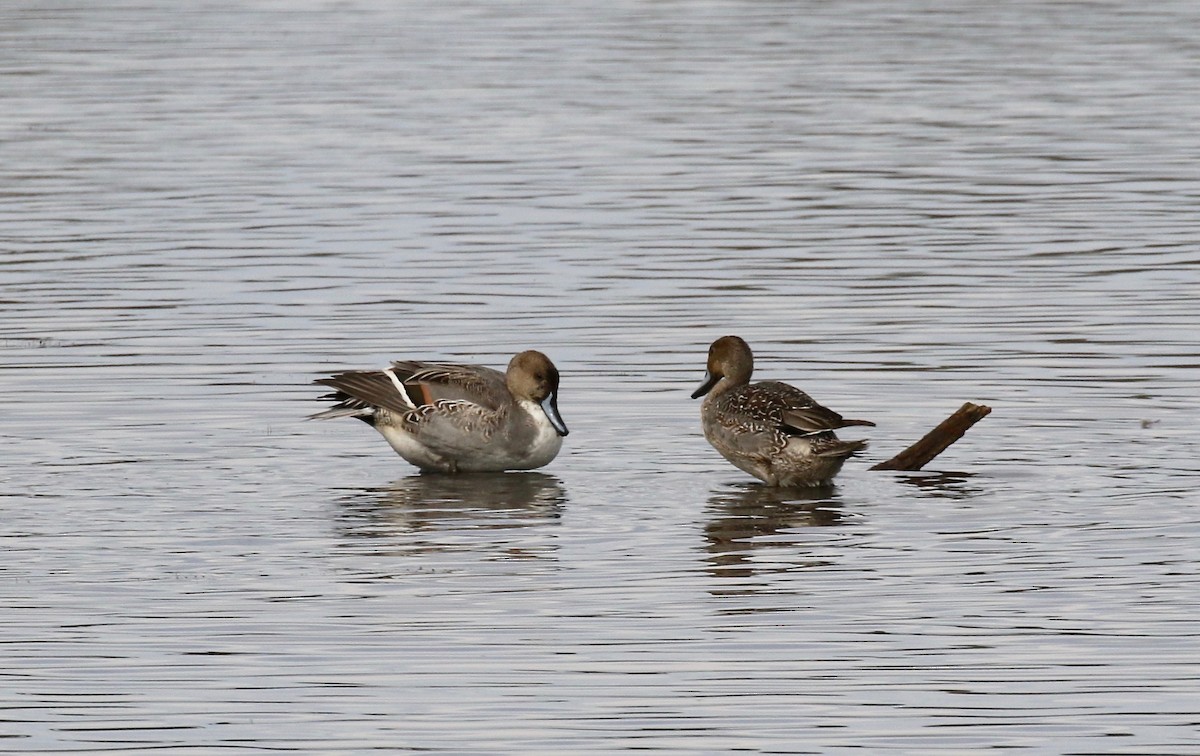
{"x": 901, "y": 205}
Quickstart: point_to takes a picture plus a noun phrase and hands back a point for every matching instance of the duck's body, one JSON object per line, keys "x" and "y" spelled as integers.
{"x": 771, "y": 430}
{"x": 458, "y": 418}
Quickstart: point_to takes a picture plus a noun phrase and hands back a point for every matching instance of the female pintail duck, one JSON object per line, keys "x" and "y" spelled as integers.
{"x": 458, "y": 418}
{"x": 773, "y": 431}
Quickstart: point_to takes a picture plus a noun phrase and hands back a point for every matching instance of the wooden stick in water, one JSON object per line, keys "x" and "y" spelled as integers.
{"x": 937, "y": 440}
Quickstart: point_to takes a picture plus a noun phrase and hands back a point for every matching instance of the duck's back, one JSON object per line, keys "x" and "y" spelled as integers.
{"x": 445, "y": 382}
{"x": 759, "y": 407}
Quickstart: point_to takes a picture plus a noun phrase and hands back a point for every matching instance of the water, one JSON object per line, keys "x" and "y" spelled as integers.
{"x": 901, "y": 206}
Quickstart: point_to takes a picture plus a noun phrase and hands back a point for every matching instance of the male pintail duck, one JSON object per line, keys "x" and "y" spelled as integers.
{"x": 457, "y": 418}
{"x": 773, "y": 431}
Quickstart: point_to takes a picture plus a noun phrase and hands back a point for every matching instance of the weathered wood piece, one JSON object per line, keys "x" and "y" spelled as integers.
{"x": 937, "y": 440}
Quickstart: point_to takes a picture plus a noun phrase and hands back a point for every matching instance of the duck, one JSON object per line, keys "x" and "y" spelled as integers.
{"x": 451, "y": 418}
{"x": 771, "y": 430}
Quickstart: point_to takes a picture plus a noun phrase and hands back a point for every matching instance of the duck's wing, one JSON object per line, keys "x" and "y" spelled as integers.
{"x": 800, "y": 414}
{"x": 407, "y": 386}
{"x": 429, "y": 382}
{"x": 358, "y": 393}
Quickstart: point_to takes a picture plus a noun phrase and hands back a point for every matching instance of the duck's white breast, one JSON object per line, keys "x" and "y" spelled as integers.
{"x": 546, "y": 441}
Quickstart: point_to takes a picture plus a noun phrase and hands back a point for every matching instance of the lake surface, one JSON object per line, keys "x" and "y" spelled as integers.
{"x": 901, "y": 205}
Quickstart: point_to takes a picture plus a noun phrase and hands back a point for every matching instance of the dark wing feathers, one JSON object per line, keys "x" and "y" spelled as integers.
{"x": 790, "y": 409}
{"x": 373, "y": 388}
{"x": 421, "y": 384}
{"x": 816, "y": 419}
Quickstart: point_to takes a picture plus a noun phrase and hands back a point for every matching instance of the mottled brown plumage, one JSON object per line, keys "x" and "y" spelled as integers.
{"x": 773, "y": 431}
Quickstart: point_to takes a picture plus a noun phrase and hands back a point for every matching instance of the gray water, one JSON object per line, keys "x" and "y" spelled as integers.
{"x": 901, "y": 205}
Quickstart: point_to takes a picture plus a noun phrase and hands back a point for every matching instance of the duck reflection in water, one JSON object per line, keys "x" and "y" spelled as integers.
{"x": 751, "y": 517}
{"x": 941, "y": 485}
{"x": 424, "y": 513}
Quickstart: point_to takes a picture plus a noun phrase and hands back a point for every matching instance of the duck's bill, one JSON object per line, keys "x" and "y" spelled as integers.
{"x": 710, "y": 380}
{"x": 550, "y": 407}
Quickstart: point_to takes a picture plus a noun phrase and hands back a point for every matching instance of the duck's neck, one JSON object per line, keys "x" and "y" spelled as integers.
{"x": 725, "y": 384}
